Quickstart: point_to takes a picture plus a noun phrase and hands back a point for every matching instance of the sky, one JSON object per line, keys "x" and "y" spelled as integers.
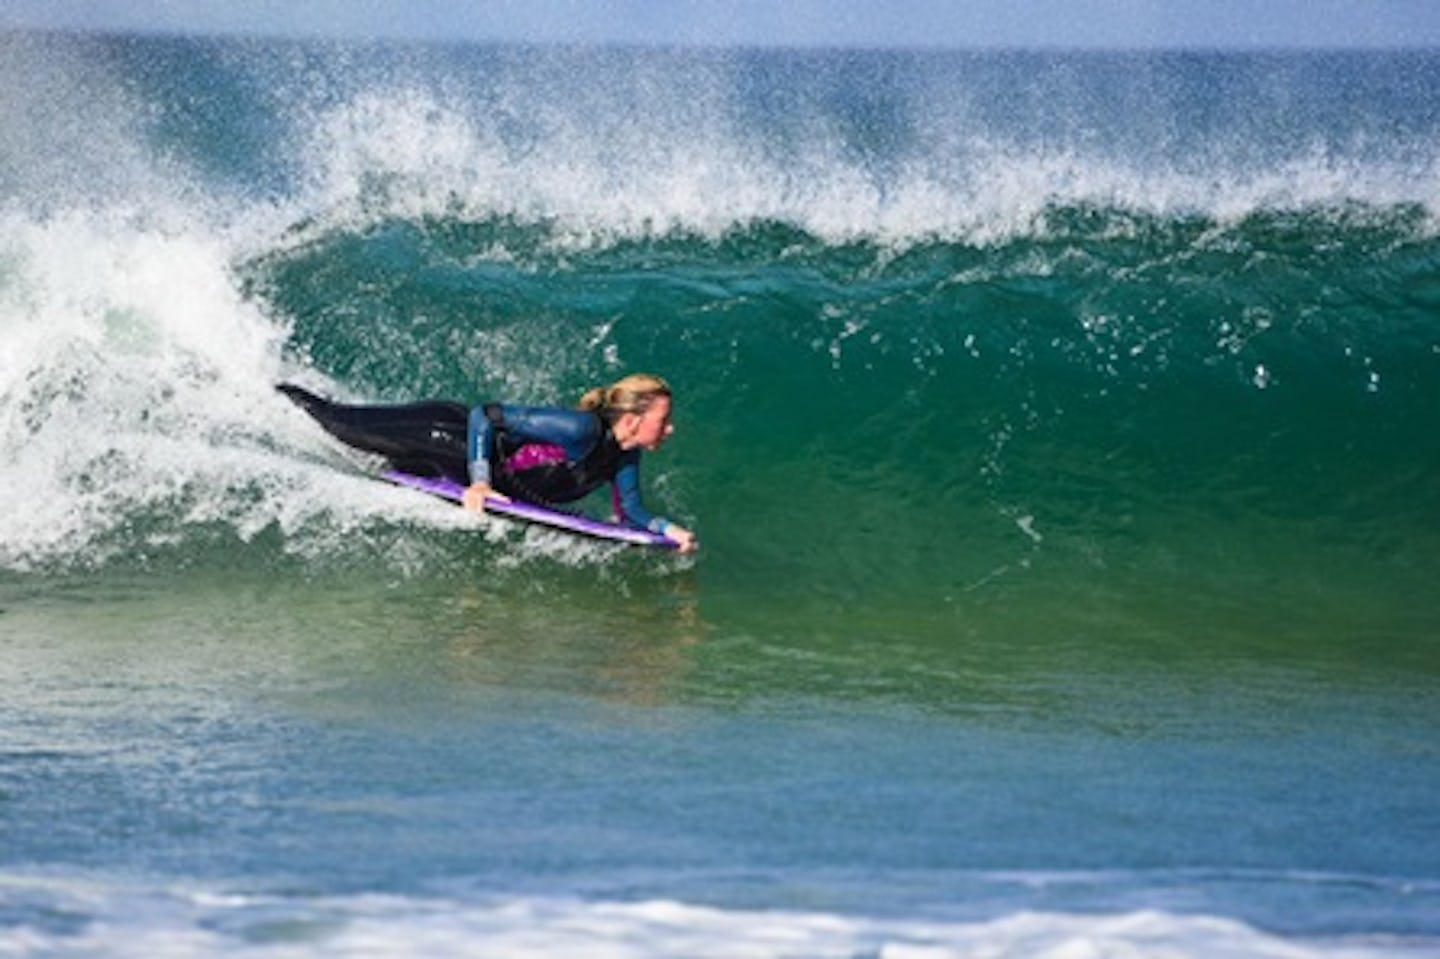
{"x": 1088, "y": 24}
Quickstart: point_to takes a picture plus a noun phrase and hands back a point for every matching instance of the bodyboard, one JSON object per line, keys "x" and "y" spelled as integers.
{"x": 530, "y": 513}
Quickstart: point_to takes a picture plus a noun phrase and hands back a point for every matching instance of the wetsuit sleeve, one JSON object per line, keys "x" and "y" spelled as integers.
{"x": 572, "y": 430}
{"x": 482, "y": 442}
{"x": 628, "y": 505}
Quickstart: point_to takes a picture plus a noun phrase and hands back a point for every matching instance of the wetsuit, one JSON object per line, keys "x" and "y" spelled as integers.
{"x": 543, "y": 454}
{"x": 539, "y": 454}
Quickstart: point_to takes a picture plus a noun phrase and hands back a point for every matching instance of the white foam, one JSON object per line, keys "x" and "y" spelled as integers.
{"x": 659, "y": 167}
{"x": 136, "y": 921}
{"x": 137, "y": 382}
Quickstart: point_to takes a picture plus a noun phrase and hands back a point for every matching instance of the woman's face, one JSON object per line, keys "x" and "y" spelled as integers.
{"x": 648, "y": 430}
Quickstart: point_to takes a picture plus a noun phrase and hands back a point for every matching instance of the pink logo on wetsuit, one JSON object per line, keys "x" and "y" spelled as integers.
{"x": 532, "y": 455}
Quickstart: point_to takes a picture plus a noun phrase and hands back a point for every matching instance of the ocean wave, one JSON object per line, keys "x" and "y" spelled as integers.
{"x": 54, "y": 917}
{"x": 409, "y": 155}
{"x": 963, "y": 310}
{"x": 599, "y": 144}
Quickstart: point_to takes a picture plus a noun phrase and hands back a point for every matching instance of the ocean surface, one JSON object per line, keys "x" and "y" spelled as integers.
{"x": 1061, "y": 430}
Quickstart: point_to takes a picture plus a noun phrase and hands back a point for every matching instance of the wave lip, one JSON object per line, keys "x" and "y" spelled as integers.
{"x": 411, "y": 155}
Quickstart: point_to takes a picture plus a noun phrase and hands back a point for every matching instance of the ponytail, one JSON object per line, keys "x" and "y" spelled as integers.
{"x": 592, "y": 400}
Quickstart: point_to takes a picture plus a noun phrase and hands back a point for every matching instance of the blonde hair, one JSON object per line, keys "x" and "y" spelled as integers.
{"x": 633, "y": 394}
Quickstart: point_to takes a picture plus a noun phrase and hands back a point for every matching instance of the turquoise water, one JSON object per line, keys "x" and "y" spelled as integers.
{"x": 1059, "y": 428}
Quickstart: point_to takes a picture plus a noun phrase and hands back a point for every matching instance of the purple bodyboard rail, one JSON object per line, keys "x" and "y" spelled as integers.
{"x": 584, "y": 525}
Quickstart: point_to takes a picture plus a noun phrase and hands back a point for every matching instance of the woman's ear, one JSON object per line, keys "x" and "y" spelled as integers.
{"x": 625, "y": 425}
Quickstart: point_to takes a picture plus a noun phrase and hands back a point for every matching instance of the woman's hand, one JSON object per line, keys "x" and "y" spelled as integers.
{"x": 477, "y": 493}
{"x": 687, "y": 543}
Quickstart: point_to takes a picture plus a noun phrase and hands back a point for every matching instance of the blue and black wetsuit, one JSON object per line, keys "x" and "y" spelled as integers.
{"x": 538, "y": 454}
{"x": 547, "y": 455}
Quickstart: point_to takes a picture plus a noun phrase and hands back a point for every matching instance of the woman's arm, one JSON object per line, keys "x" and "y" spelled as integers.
{"x": 630, "y": 508}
